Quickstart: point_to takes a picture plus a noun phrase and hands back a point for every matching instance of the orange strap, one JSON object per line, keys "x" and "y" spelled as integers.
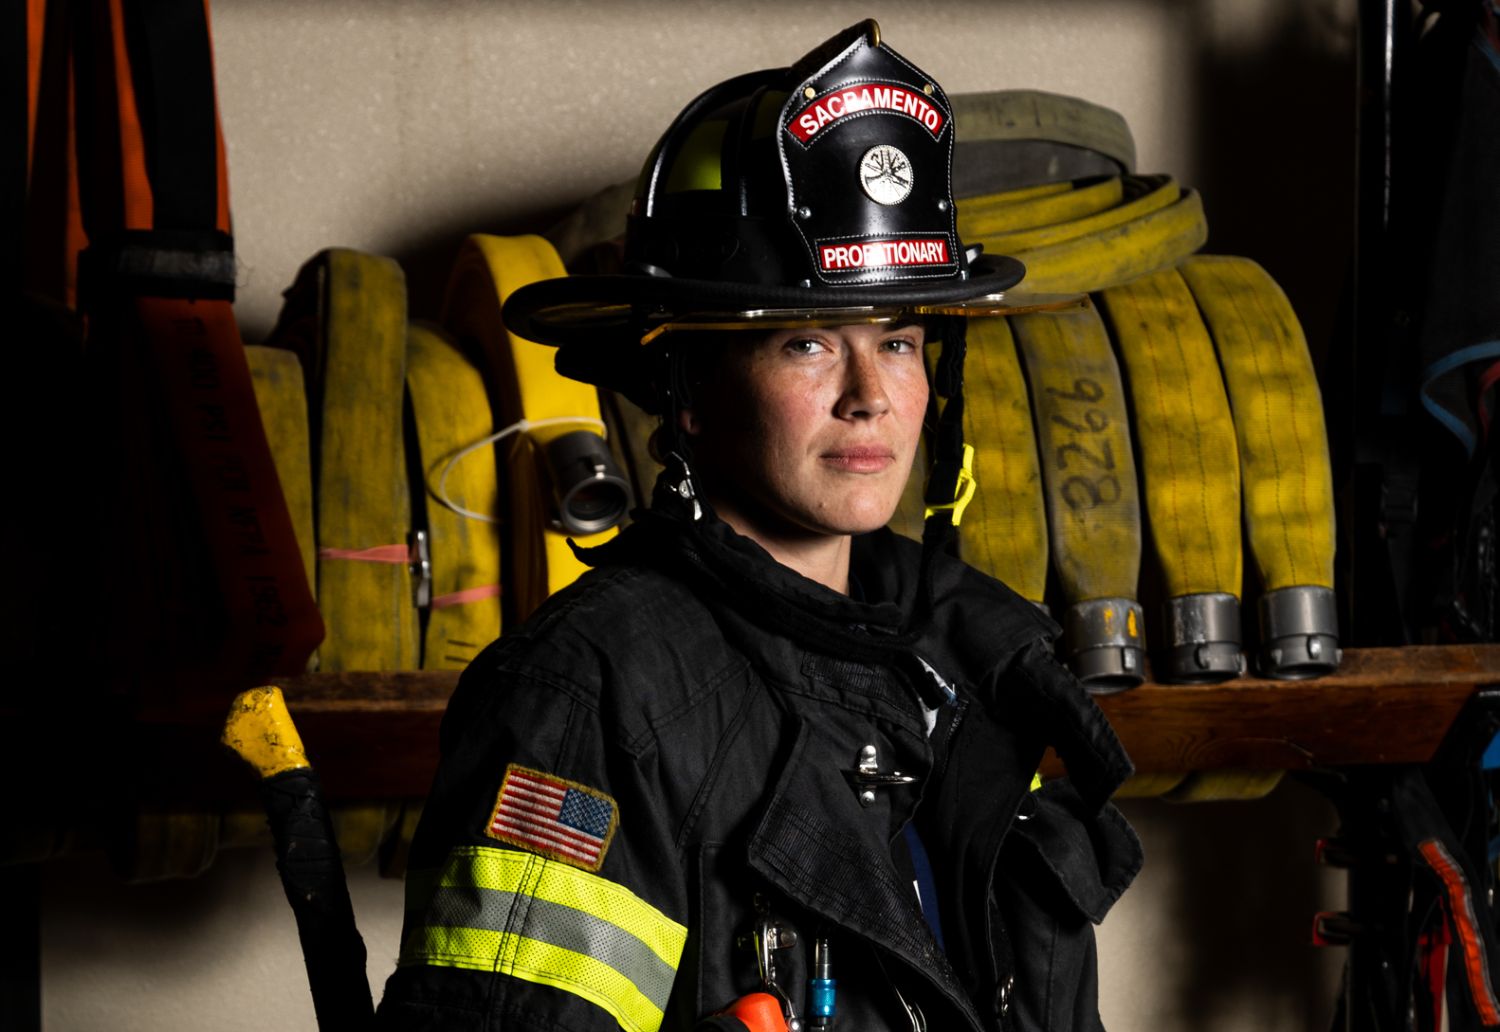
{"x": 396, "y": 555}
{"x": 196, "y": 352}
{"x": 53, "y": 221}
{"x": 458, "y": 598}
{"x": 400, "y": 555}
{"x": 36, "y": 24}
{"x": 159, "y": 276}
{"x": 1470, "y": 943}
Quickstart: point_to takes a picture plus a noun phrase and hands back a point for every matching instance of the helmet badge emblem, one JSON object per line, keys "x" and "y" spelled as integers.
{"x": 886, "y": 174}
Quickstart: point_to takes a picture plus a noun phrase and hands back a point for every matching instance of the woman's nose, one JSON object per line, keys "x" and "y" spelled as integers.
{"x": 864, "y": 387}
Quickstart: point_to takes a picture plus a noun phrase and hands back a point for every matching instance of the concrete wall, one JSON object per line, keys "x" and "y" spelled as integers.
{"x": 400, "y": 127}
{"x": 1213, "y": 935}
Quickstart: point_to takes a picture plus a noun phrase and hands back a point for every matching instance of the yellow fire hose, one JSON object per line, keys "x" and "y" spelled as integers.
{"x": 1141, "y": 196}
{"x": 1150, "y": 225}
{"x": 1283, "y": 445}
{"x": 548, "y": 409}
{"x": 1020, "y": 193}
{"x": 981, "y": 217}
{"x": 345, "y": 316}
{"x": 1117, "y": 254}
{"x": 1190, "y": 467}
{"x": 460, "y": 493}
{"x": 1093, "y": 503}
{"x": 282, "y": 399}
{"x": 1209, "y": 786}
{"x": 1004, "y": 531}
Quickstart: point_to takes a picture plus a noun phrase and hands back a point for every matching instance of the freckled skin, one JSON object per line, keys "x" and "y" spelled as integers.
{"x": 804, "y": 437}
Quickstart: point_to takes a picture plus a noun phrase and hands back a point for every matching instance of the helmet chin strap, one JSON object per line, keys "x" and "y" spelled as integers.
{"x": 945, "y": 483}
{"x": 675, "y": 446}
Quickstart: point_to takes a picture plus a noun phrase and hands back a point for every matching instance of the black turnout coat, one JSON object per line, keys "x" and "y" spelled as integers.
{"x": 714, "y": 702}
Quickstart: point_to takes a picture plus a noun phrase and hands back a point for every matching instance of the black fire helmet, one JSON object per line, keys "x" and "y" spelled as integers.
{"x": 814, "y": 194}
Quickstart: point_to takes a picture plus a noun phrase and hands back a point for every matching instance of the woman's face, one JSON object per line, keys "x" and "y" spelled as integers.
{"x": 812, "y": 431}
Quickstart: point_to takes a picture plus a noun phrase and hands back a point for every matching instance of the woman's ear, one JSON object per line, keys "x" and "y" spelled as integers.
{"x": 687, "y": 421}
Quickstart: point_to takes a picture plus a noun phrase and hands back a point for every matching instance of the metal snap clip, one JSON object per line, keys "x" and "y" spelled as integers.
{"x": 867, "y": 776}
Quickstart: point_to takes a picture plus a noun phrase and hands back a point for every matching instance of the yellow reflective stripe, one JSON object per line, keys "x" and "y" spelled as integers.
{"x": 546, "y": 922}
{"x": 584, "y": 976}
{"x": 472, "y": 948}
{"x": 532, "y": 960}
{"x": 506, "y": 870}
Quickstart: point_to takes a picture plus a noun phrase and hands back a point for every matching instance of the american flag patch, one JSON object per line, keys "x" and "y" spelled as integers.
{"x": 557, "y": 818}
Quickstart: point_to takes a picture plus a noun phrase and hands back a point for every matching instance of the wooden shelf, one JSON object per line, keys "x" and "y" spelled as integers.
{"x": 1389, "y": 705}
{"x": 374, "y": 735}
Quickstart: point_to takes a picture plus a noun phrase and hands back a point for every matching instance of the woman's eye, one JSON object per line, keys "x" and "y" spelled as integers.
{"x": 804, "y": 346}
{"x": 900, "y": 345}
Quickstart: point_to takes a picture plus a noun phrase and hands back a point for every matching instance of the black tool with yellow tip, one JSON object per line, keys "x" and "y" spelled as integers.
{"x": 260, "y": 730}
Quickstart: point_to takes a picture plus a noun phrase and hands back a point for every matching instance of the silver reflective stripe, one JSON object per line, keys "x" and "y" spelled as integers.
{"x": 558, "y": 925}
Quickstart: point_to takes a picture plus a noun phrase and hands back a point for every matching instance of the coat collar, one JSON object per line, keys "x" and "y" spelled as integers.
{"x": 973, "y": 634}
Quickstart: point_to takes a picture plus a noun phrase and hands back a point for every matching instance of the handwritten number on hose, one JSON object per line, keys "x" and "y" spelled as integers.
{"x": 1082, "y": 492}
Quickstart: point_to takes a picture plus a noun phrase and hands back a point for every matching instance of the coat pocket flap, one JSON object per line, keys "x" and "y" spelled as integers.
{"x": 1089, "y": 858}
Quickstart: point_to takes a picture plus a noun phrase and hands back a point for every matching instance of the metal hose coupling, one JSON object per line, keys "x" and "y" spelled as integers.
{"x": 1202, "y": 640}
{"x": 1299, "y": 633}
{"x": 1104, "y": 643}
{"x": 589, "y": 493}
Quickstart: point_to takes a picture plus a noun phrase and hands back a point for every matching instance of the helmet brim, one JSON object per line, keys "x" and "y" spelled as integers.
{"x": 600, "y": 311}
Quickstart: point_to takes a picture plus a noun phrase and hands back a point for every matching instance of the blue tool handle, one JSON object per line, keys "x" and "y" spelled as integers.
{"x": 821, "y": 999}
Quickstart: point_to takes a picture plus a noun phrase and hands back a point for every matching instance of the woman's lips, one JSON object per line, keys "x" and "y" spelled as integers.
{"x": 859, "y": 459}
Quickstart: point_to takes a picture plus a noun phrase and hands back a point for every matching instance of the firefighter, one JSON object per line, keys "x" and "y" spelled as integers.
{"x": 769, "y": 765}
